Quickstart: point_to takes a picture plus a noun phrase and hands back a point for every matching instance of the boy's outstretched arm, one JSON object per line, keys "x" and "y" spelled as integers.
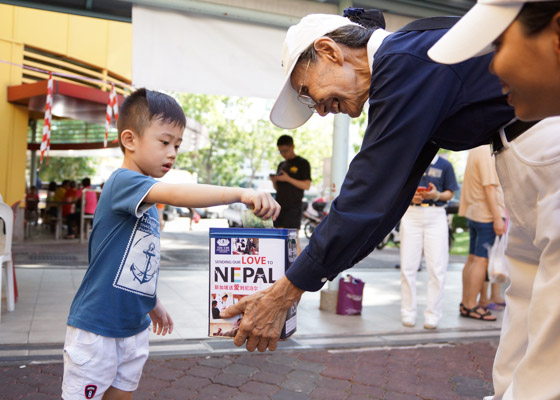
{"x": 162, "y": 323}
{"x": 199, "y": 196}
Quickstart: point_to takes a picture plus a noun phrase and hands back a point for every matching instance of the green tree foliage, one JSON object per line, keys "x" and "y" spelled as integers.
{"x": 241, "y": 140}
{"x": 221, "y": 160}
{"x": 73, "y": 168}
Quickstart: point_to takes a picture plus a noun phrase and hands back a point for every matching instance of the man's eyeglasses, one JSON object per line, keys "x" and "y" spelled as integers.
{"x": 303, "y": 98}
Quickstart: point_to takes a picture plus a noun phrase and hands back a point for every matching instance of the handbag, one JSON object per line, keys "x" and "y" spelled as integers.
{"x": 350, "y": 293}
{"x": 497, "y": 262}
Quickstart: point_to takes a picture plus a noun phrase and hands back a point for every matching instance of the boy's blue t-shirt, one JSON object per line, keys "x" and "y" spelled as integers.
{"x": 119, "y": 288}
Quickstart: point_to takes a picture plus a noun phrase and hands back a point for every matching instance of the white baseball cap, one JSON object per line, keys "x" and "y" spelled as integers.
{"x": 474, "y": 33}
{"x": 288, "y": 112}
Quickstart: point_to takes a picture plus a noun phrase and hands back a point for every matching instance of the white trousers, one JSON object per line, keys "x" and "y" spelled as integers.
{"x": 527, "y": 364}
{"x": 423, "y": 228}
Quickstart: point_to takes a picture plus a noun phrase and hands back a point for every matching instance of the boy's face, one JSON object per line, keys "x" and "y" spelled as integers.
{"x": 154, "y": 152}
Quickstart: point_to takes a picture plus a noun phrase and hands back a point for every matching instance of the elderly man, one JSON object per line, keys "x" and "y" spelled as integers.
{"x": 416, "y": 106}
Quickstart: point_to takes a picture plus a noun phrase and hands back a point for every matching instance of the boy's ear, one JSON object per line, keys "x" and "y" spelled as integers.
{"x": 128, "y": 139}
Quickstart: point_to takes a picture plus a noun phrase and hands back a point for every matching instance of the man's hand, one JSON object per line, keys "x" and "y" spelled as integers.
{"x": 161, "y": 320}
{"x": 264, "y": 314}
{"x": 431, "y": 194}
{"x": 499, "y": 226}
{"x": 417, "y": 199}
{"x": 283, "y": 177}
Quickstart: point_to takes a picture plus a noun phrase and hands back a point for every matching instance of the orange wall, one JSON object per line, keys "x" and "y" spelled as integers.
{"x": 101, "y": 43}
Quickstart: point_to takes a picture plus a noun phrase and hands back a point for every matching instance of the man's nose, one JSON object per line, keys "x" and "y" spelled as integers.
{"x": 321, "y": 109}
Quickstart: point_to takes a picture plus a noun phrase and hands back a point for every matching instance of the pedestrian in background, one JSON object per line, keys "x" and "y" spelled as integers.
{"x": 482, "y": 204}
{"x": 424, "y": 227}
{"x": 69, "y": 198}
{"x": 293, "y": 177}
{"x": 90, "y": 203}
{"x": 525, "y": 36}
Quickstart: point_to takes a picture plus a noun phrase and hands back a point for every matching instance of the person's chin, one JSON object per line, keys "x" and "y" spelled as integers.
{"x": 157, "y": 174}
{"x": 529, "y": 114}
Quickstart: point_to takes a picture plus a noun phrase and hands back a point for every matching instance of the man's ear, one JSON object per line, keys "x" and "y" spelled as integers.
{"x": 329, "y": 49}
{"x": 128, "y": 139}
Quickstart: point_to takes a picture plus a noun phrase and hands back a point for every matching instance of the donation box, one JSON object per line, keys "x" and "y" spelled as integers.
{"x": 244, "y": 261}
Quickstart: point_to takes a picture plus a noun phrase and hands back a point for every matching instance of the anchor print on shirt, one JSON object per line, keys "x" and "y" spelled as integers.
{"x": 147, "y": 272}
{"x": 139, "y": 267}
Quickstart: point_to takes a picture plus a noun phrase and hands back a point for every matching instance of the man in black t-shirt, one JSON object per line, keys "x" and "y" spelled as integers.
{"x": 292, "y": 178}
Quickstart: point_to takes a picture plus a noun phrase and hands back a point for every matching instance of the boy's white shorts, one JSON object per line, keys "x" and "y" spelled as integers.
{"x": 93, "y": 363}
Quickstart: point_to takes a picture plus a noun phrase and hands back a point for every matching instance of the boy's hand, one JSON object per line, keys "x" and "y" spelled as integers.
{"x": 162, "y": 323}
{"x": 262, "y": 204}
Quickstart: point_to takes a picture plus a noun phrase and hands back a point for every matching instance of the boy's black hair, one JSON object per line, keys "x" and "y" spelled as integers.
{"x": 214, "y": 303}
{"x": 143, "y": 106}
{"x": 285, "y": 140}
{"x": 86, "y": 182}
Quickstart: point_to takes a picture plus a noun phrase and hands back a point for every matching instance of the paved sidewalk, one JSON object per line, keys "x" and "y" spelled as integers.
{"x": 368, "y": 356}
{"x": 443, "y": 372}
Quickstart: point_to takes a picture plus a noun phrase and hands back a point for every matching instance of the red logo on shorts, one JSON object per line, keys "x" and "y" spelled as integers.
{"x": 90, "y": 391}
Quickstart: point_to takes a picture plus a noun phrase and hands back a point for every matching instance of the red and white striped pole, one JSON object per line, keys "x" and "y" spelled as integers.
{"x": 46, "y": 140}
{"x": 112, "y": 109}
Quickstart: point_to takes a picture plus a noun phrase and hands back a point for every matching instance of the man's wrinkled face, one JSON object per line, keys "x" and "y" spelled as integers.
{"x": 333, "y": 87}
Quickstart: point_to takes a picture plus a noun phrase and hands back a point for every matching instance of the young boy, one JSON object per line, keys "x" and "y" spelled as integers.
{"x": 106, "y": 342}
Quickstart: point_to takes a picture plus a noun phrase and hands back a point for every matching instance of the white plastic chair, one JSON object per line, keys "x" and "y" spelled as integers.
{"x": 7, "y": 215}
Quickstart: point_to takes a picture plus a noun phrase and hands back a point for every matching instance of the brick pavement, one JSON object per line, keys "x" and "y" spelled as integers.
{"x": 442, "y": 372}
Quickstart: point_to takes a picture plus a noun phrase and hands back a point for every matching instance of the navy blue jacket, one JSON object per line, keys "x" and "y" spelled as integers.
{"x": 416, "y": 106}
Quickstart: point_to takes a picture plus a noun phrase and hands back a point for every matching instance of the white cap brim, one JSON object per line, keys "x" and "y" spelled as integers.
{"x": 474, "y": 34}
{"x": 288, "y": 112}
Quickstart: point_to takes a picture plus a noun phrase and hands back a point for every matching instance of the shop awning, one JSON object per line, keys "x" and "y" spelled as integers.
{"x": 70, "y": 101}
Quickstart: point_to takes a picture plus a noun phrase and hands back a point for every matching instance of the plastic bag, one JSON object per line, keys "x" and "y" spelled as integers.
{"x": 350, "y": 292}
{"x": 196, "y": 217}
{"x": 497, "y": 261}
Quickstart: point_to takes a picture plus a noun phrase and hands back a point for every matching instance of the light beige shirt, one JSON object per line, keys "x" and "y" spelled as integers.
{"x": 480, "y": 172}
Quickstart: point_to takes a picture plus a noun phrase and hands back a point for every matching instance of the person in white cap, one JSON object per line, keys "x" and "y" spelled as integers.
{"x": 526, "y": 38}
{"x": 524, "y": 35}
{"x": 416, "y": 106}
